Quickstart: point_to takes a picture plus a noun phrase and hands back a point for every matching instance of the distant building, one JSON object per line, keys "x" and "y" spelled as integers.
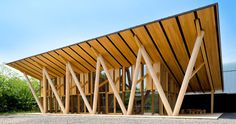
{"x": 229, "y": 72}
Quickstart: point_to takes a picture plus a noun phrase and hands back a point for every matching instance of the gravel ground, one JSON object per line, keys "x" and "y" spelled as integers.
{"x": 227, "y": 118}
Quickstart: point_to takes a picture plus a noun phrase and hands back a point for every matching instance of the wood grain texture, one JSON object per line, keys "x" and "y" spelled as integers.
{"x": 119, "y": 50}
{"x": 208, "y": 23}
{"x": 190, "y": 34}
{"x": 177, "y": 43}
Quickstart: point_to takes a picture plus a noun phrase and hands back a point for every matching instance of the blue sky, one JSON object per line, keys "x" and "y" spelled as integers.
{"x": 29, "y": 27}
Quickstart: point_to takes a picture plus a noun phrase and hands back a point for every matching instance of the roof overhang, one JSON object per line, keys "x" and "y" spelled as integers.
{"x": 169, "y": 40}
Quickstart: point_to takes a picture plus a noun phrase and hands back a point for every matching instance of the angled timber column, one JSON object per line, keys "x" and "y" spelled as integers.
{"x": 34, "y": 94}
{"x": 111, "y": 82}
{"x": 143, "y": 53}
{"x": 45, "y": 74}
{"x": 189, "y": 71}
{"x": 134, "y": 82}
{"x": 68, "y": 65}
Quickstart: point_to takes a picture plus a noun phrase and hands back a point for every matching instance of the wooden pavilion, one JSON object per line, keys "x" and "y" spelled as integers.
{"x": 144, "y": 69}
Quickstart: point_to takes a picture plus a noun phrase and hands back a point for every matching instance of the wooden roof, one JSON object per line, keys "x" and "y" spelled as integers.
{"x": 169, "y": 40}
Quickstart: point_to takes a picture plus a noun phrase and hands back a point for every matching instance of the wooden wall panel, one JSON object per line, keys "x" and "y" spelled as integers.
{"x": 73, "y": 86}
{"x": 86, "y": 83}
{"x": 62, "y": 88}
{"x": 117, "y": 79}
{"x": 111, "y": 72}
{"x": 41, "y": 88}
{"x": 82, "y": 80}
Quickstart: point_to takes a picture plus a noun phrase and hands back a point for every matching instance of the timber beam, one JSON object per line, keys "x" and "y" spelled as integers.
{"x": 68, "y": 65}
{"x": 34, "y": 94}
{"x": 101, "y": 62}
{"x": 143, "y": 53}
{"x": 189, "y": 71}
{"x": 45, "y": 74}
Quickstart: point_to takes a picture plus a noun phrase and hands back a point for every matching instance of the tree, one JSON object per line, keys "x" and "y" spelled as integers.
{"x": 14, "y": 92}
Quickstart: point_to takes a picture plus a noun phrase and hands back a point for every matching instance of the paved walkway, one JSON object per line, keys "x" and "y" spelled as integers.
{"x": 227, "y": 118}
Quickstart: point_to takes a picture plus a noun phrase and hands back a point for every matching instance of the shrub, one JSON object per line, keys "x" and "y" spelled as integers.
{"x": 14, "y": 92}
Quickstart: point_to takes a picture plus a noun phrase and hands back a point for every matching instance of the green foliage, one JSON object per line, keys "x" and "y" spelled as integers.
{"x": 14, "y": 92}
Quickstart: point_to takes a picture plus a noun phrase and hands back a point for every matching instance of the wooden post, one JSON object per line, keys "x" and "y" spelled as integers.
{"x": 142, "y": 89}
{"x": 111, "y": 82}
{"x": 44, "y": 93}
{"x": 212, "y": 101}
{"x": 34, "y": 94}
{"x": 67, "y": 96}
{"x": 133, "y": 88}
{"x": 50, "y": 102}
{"x": 106, "y": 100}
{"x": 188, "y": 73}
{"x": 116, "y": 79}
{"x": 78, "y": 96}
{"x": 54, "y": 90}
{"x": 123, "y": 83}
{"x": 154, "y": 76}
{"x": 96, "y": 87}
{"x": 79, "y": 88}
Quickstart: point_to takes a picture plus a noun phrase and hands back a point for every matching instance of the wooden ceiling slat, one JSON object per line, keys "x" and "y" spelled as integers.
{"x": 82, "y": 53}
{"x": 161, "y": 42}
{"x": 111, "y": 48}
{"x": 189, "y": 29}
{"x": 208, "y": 23}
{"x": 78, "y": 58}
{"x": 23, "y": 70}
{"x": 109, "y": 59}
{"x": 72, "y": 60}
{"x": 51, "y": 64}
{"x": 129, "y": 39}
{"x": 54, "y": 60}
{"x": 27, "y": 67}
{"x": 33, "y": 64}
{"x": 147, "y": 43}
{"x": 43, "y": 64}
{"x": 62, "y": 61}
{"x": 123, "y": 47}
{"x": 86, "y": 47}
{"x": 170, "y": 27}
{"x": 31, "y": 67}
